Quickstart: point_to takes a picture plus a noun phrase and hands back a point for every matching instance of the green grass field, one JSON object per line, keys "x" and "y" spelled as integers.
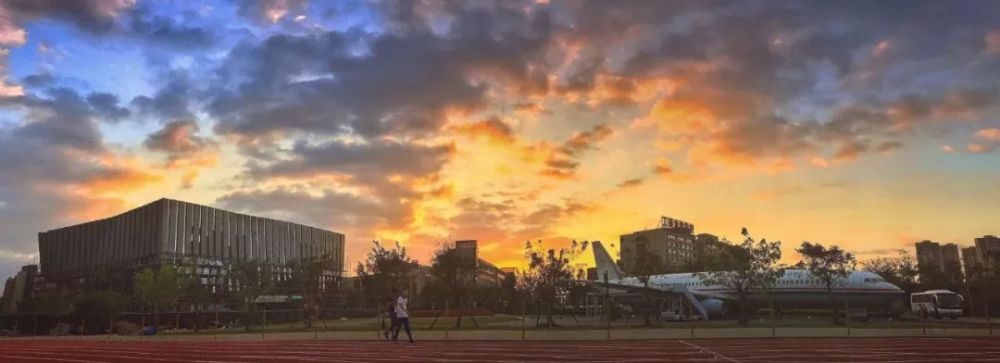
{"x": 565, "y": 322}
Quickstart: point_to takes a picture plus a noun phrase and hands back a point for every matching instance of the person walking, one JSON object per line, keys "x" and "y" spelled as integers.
{"x": 402, "y": 316}
{"x": 390, "y": 311}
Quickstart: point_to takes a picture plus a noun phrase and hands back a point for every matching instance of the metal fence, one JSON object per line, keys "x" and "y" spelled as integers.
{"x": 444, "y": 323}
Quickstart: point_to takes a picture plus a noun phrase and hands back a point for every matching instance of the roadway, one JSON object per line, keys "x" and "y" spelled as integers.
{"x": 911, "y": 349}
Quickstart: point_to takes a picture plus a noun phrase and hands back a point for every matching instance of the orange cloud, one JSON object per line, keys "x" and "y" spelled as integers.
{"x": 979, "y": 148}
{"x": 992, "y": 133}
{"x": 492, "y": 129}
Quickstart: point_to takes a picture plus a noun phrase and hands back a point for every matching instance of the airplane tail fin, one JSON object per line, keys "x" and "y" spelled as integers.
{"x": 606, "y": 264}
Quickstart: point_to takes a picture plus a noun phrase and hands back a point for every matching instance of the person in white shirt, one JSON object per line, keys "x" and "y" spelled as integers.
{"x": 402, "y": 316}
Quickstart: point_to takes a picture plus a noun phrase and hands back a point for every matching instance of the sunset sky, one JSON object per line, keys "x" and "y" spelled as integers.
{"x": 867, "y": 124}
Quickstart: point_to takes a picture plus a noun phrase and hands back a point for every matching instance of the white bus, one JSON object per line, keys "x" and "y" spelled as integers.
{"x": 936, "y": 303}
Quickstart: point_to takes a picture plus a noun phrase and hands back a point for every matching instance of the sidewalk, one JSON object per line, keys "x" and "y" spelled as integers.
{"x": 539, "y": 335}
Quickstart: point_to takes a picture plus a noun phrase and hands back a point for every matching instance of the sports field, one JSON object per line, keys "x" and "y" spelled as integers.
{"x": 700, "y": 350}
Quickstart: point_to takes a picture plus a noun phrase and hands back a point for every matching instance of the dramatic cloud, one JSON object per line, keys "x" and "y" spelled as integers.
{"x": 170, "y": 102}
{"x": 365, "y": 161}
{"x": 493, "y": 129}
{"x": 400, "y": 83}
{"x": 186, "y": 151}
{"x": 562, "y": 162}
{"x": 161, "y": 30}
{"x": 55, "y": 168}
{"x": 106, "y": 105}
{"x": 177, "y": 137}
{"x": 493, "y": 120}
{"x": 92, "y": 15}
{"x": 313, "y": 209}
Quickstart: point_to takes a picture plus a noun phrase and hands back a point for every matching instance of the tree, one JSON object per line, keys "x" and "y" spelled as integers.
{"x": 193, "y": 289}
{"x": 748, "y": 268}
{"x": 53, "y": 303}
{"x": 983, "y": 279}
{"x": 383, "y": 270}
{"x": 455, "y": 272}
{"x": 900, "y": 271}
{"x": 646, "y": 264}
{"x": 547, "y": 268}
{"x": 827, "y": 266}
{"x": 99, "y": 306}
{"x": 251, "y": 279}
{"x": 196, "y": 294}
{"x": 159, "y": 288}
{"x": 307, "y": 278}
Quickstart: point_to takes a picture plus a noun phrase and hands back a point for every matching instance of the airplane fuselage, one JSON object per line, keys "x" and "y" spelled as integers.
{"x": 795, "y": 289}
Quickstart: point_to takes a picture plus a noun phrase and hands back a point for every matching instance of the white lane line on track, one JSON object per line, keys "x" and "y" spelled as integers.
{"x": 717, "y": 355}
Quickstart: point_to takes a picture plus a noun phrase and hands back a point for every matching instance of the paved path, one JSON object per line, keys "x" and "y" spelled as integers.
{"x": 701, "y": 350}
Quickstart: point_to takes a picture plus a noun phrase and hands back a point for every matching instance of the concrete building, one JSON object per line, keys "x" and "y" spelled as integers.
{"x": 19, "y": 289}
{"x": 170, "y": 231}
{"x": 420, "y": 277}
{"x": 673, "y": 241}
{"x": 970, "y": 259}
{"x": 951, "y": 263}
{"x": 937, "y": 261}
{"x": 988, "y": 250}
{"x": 487, "y": 274}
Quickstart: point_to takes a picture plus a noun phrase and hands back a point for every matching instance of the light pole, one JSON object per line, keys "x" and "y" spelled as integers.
{"x": 607, "y": 301}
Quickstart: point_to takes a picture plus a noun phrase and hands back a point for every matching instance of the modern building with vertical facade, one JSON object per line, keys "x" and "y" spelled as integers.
{"x": 175, "y": 232}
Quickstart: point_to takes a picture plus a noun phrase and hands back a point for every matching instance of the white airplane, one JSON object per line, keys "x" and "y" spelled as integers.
{"x": 795, "y": 289}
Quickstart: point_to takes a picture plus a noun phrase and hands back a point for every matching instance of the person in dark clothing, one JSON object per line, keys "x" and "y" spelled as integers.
{"x": 390, "y": 311}
{"x": 402, "y": 316}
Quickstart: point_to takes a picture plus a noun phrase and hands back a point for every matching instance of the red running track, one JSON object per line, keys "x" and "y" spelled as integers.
{"x": 695, "y": 350}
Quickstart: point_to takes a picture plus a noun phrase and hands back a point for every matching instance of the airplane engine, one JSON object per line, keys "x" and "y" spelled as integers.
{"x": 714, "y": 307}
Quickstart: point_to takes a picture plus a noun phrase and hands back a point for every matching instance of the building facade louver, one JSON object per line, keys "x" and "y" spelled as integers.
{"x": 172, "y": 231}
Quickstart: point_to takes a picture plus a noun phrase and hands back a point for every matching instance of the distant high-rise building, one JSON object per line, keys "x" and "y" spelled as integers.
{"x": 673, "y": 242}
{"x": 988, "y": 250}
{"x": 19, "y": 289}
{"x": 970, "y": 259}
{"x": 487, "y": 274}
{"x": 939, "y": 264}
{"x": 951, "y": 263}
